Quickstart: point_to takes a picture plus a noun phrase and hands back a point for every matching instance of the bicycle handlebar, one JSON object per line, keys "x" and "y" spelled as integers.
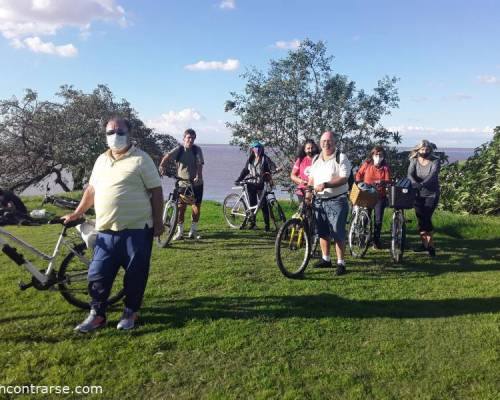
{"x": 72, "y": 224}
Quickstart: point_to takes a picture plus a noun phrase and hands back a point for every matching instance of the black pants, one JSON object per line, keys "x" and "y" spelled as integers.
{"x": 253, "y": 190}
{"x": 379, "y": 217}
{"x": 424, "y": 208}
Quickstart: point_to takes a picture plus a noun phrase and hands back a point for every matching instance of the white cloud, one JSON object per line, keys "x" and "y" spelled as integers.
{"x": 227, "y": 4}
{"x": 419, "y": 99}
{"x": 36, "y": 45}
{"x": 488, "y": 79}
{"x": 21, "y": 20}
{"x": 444, "y": 137}
{"x": 457, "y": 97}
{"x": 229, "y": 65}
{"x": 176, "y": 122}
{"x": 287, "y": 45}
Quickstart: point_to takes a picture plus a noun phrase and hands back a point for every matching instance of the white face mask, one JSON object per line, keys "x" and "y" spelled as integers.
{"x": 117, "y": 142}
{"x": 377, "y": 160}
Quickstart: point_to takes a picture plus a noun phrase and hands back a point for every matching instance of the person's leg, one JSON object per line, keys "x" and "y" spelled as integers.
{"x": 137, "y": 245}
{"x": 252, "y": 198}
{"x": 429, "y": 208}
{"x": 101, "y": 274}
{"x": 180, "y": 222}
{"x": 196, "y": 211}
{"x": 421, "y": 221}
{"x": 323, "y": 231}
{"x": 379, "y": 217}
{"x": 337, "y": 211}
{"x": 265, "y": 213}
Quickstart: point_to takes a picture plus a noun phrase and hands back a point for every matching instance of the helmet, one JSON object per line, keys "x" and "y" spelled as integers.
{"x": 256, "y": 143}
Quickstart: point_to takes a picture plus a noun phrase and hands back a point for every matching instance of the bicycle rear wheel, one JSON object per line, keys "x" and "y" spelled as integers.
{"x": 359, "y": 233}
{"x": 293, "y": 248}
{"x": 72, "y": 278}
{"x": 234, "y": 210}
{"x": 276, "y": 214}
{"x": 398, "y": 236}
{"x": 170, "y": 215}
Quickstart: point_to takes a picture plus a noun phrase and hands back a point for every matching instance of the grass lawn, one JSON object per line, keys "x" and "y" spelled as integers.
{"x": 220, "y": 321}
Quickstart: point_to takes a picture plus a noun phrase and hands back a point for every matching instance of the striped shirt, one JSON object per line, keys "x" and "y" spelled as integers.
{"x": 122, "y": 200}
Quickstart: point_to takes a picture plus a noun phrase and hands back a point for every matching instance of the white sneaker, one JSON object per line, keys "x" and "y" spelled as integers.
{"x": 127, "y": 321}
{"x": 193, "y": 235}
{"x": 178, "y": 236}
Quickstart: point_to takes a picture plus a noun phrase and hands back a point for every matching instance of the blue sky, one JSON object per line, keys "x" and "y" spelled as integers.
{"x": 177, "y": 61}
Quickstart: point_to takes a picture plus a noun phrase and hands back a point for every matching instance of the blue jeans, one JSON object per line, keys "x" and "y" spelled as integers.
{"x": 331, "y": 217}
{"x": 130, "y": 249}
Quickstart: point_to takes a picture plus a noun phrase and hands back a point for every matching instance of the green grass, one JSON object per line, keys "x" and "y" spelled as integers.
{"x": 219, "y": 321}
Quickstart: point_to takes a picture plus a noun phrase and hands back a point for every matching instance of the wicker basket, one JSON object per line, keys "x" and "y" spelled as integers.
{"x": 363, "y": 198}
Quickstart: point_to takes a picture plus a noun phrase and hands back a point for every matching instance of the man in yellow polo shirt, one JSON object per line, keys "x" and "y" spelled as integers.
{"x": 125, "y": 189}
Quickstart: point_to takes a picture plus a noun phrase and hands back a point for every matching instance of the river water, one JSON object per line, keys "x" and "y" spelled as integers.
{"x": 223, "y": 164}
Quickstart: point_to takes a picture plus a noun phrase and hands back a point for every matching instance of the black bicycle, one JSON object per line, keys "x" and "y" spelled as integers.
{"x": 297, "y": 241}
{"x": 64, "y": 202}
{"x": 180, "y": 194}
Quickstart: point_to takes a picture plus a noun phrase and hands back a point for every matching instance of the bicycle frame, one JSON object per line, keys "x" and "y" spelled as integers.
{"x": 252, "y": 210}
{"x": 43, "y": 278}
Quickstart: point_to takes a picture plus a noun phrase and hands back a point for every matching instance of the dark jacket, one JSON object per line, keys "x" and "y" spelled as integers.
{"x": 428, "y": 186}
{"x": 252, "y": 171}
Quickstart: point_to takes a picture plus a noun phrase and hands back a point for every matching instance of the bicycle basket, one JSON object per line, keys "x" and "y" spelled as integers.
{"x": 363, "y": 198}
{"x": 401, "y": 197}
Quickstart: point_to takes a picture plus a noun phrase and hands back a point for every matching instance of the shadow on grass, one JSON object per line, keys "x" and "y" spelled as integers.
{"x": 324, "y": 305}
{"x": 462, "y": 255}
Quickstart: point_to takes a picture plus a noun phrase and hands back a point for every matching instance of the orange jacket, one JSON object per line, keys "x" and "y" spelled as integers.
{"x": 370, "y": 174}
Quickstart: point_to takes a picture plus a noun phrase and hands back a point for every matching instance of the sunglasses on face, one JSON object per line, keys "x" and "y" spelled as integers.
{"x": 119, "y": 132}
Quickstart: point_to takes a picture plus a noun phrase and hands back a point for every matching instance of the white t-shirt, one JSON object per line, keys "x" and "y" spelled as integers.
{"x": 324, "y": 170}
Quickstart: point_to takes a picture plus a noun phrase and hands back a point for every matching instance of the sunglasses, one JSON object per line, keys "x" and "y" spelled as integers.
{"x": 119, "y": 132}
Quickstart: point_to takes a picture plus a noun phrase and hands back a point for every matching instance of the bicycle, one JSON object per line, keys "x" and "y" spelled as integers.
{"x": 61, "y": 201}
{"x": 400, "y": 198}
{"x": 184, "y": 194}
{"x": 238, "y": 211}
{"x": 296, "y": 241}
{"x": 362, "y": 222}
{"x": 71, "y": 278}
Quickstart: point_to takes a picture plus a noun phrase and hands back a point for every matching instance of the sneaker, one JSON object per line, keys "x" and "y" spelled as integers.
{"x": 432, "y": 251}
{"x": 178, "y": 236}
{"x": 127, "y": 320}
{"x": 323, "y": 264}
{"x": 92, "y": 322}
{"x": 340, "y": 270}
{"x": 193, "y": 235}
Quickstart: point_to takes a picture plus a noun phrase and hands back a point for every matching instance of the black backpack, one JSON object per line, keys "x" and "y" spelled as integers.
{"x": 350, "y": 178}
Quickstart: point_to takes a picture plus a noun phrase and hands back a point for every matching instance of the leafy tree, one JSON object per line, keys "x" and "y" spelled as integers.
{"x": 300, "y": 97}
{"x": 41, "y": 138}
{"x": 473, "y": 186}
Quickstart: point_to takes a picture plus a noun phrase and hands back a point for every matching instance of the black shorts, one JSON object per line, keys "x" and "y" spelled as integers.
{"x": 198, "y": 193}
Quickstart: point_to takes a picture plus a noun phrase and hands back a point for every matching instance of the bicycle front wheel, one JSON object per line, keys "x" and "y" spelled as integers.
{"x": 398, "y": 236}
{"x": 276, "y": 213}
{"x": 234, "y": 210}
{"x": 359, "y": 233}
{"x": 170, "y": 215}
{"x": 293, "y": 248}
{"x": 72, "y": 278}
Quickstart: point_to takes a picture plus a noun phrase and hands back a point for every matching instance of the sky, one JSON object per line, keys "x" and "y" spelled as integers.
{"x": 176, "y": 62}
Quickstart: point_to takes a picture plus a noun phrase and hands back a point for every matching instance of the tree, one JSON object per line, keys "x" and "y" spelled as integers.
{"x": 300, "y": 97}
{"x": 41, "y": 138}
{"x": 473, "y": 186}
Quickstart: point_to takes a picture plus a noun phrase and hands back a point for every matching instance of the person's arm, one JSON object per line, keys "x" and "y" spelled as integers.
{"x": 166, "y": 158}
{"x": 360, "y": 175}
{"x": 86, "y": 202}
{"x": 157, "y": 208}
{"x": 199, "y": 166}
{"x": 244, "y": 172}
{"x": 294, "y": 175}
{"x": 411, "y": 172}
